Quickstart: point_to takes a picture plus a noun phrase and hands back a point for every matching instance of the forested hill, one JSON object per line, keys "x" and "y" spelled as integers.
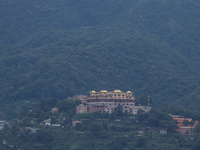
{"x": 67, "y": 47}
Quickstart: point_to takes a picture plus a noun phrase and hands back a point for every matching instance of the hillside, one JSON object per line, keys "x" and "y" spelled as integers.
{"x": 63, "y": 48}
{"x": 41, "y": 129}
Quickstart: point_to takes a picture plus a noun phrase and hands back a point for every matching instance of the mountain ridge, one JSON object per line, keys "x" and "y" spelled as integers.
{"x": 60, "y": 49}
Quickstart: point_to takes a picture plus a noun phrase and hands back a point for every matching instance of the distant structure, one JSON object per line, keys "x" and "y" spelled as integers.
{"x": 81, "y": 109}
{"x": 82, "y": 98}
{"x": 105, "y": 101}
{"x": 54, "y": 110}
{"x": 2, "y": 124}
{"x": 183, "y": 128}
{"x": 74, "y": 122}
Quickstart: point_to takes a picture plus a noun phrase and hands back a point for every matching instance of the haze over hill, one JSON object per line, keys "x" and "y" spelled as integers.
{"x": 68, "y": 47}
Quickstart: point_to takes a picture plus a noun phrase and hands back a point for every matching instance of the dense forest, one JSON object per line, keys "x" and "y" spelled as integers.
{"x": 69, "y": 47}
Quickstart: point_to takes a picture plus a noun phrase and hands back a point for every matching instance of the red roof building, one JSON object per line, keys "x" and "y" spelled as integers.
{"x": 184, "y": 129}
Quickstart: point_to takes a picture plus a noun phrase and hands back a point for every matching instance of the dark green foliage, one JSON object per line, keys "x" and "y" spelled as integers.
{"x": 141, "y": 141}
{"x": 64, "y": 48}
{"x": 78, "y": 126}
{"x": 196, "y": 143}
{"x": 46, "y": 108}
{"x": 172, "y": 126}
{"x": 118, "y": 111}
{"x": 162, "y": 124}
{"x": 47, "y": 104}
{"x": 44, "y": 137}
{"x": 66, "y": 105}
{"x": 141, "y": 115}
{"x": 95, "y": 128}
{"x": 186, "y": 123}
{"x": 117, "y": 144}
{"x": 142, "y": 100}
{"x": 197, "y": 129}
{"x": 192, "y": 122}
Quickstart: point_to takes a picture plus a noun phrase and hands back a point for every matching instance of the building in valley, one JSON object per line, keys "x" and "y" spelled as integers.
{"x": 105, "y": 101}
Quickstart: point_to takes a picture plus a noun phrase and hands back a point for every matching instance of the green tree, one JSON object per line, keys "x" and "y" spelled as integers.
{"x": 119, "y": 110}
{"x": 46, "y": 108}
{"x": 192, "y": 122}
{"x": 51, "y": 102}
{"x": 143, "y": 100}
{"x": 42, "y": 103}
{"x": 172, "y": 126}
{"x": 141, "y": 115}
{"x": 25, "y": 112}
{"x": 66, "y": 105}
{"x": 197, "y": 129}
{"x": 196, "y": 143}
{"x": 153, "y": 121}
{"x": 186, "y": 122}
{"x": 53, "y": 120}
{"x": 141, "y": 141}
{"x": 45, "y": 137}
{"x": 95, "y": 128}
{"x": 71, "y": 112}
{"x": 78, "y": 126}
{"x": 162, "y": 124}
{"x": 151, "y": 100}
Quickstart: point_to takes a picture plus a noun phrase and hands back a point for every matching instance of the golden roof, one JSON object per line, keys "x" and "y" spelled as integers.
{"x": 117, "y": 91}
{"x": 128, "y": 92}
{"x": 102, "y": 91}
{"x": 92, "y": 91}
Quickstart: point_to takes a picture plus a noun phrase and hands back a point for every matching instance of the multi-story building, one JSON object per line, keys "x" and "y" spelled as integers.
{"x": 105, "y": 101}
{"x": 81, "y": 108}
{"x": 183, "y": 128}
{"x": 116, "y": 97}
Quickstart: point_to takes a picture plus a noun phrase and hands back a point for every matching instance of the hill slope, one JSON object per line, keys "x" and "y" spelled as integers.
{"x": 64, "y": 63}
{"x": 59, "y": 49}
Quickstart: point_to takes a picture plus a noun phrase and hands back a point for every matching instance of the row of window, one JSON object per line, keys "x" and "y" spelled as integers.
{"x": 115, "y": 95}
{"x": 119, "y": 97}
{"x": 124, "y": 104}
{"x": 119, "y": 101}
